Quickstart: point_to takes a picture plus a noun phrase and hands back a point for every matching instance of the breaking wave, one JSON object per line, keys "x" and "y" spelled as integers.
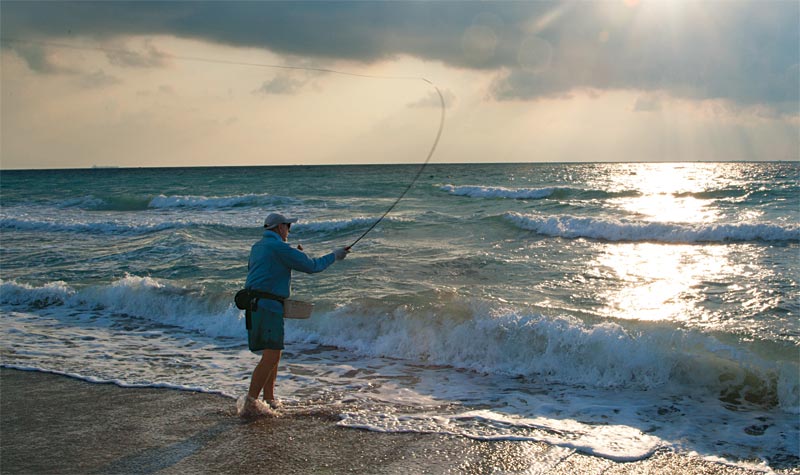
{"x": 495, "y": 339}
{"x": 623, "y": 230}
{"x": 219, "y": 202}
{"x": 144, "y": 297}
{"x": 140, "y": 203}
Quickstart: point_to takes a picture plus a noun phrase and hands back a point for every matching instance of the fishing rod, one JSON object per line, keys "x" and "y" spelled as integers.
{"x": 419, "y": 172}
{"x": 274, "y": 66}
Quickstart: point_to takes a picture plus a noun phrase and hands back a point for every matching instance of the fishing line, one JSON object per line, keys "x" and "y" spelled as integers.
{"x": 273, "y": 66}
{"x": 419, "y": 172}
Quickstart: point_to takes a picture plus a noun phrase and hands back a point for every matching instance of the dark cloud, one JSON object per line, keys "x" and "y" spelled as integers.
{"x": 746, "y": 52}
{"x": 42, "y": 60}
{"x": 151, "y": 57}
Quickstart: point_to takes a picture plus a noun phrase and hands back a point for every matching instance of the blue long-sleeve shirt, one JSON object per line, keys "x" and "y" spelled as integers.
{"x": 271, "y": 264}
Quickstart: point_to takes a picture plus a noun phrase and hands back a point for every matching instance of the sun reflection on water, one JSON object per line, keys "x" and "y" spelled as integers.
{"x": 666, "y": 281}
{"x": 663, "y": 282}
{"x": 666, "y": 192}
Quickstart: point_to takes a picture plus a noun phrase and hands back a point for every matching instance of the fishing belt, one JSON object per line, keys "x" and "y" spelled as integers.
{"x": 247, "y": 300}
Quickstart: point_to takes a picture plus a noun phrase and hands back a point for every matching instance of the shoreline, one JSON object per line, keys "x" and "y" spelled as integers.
{"x": 57, "y": 424}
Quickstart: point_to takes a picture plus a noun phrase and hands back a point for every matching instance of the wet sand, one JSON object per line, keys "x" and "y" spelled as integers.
{"x": 55, "y": 424}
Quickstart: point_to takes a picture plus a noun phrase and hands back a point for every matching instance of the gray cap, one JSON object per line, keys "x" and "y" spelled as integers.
{"x": 274, "y": 219}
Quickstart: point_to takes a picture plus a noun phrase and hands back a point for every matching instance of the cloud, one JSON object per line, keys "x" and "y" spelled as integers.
{"x": 647, "y": 103}
{"x": 745, "y": 52}
{"x": 42, "y": 60}
{"x": 98, "y": 79}
{"x": 150, "y": 58}
{"x": 282, "y": 84}
{"x": 432, "y": 100}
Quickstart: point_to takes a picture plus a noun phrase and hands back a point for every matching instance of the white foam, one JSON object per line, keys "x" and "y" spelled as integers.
{"x": 624, "y": 230}
{"x": 494, "y": 340}
{"x": 618, "y": 421}
{"x": 52, "y": 293}
{"x": 116, "y": 382}
{"x": 141, "y": 297}
{"x": 218, "y": 202}
{"x": 615, "y": 442}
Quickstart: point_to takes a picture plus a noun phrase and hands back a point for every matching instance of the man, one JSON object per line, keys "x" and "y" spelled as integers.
{"x": 270, "y": 270}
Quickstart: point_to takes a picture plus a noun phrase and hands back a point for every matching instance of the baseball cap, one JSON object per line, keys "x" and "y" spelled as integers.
{"x": 274, "y": 219}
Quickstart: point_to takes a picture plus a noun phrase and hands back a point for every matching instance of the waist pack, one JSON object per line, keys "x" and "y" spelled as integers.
{"x": 247, "y": 300}
{"x": 245, "y": 297}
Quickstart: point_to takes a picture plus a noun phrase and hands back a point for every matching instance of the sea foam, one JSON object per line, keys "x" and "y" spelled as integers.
{"x": 124, "y": 202}
{"x": 625, "y": 230}
{"x": 143, "y": 297}
{"x": 219, "y": 202}
{"x": 559, "y": 349}
{"x": 495, "y": 339}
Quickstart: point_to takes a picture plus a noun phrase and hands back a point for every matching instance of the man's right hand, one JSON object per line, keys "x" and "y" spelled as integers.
{"x": 341, "y": 253}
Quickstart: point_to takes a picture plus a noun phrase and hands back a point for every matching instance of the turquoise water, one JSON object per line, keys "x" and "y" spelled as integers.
{"x": 607, "y": 308}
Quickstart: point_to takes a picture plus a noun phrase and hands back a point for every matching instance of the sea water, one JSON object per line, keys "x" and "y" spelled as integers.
{"x": 613, "y": 309}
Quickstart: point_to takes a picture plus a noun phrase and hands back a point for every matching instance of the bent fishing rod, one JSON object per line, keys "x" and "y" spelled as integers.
{"x": 421, "y": 168}
{"x": 275, "y": 66}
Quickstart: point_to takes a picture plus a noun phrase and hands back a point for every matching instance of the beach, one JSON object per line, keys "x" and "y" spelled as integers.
{"x": 57, "y": 424}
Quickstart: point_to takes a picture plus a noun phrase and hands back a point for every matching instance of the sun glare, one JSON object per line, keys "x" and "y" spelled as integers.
{"x": 667, "y": 192}
{"x": 661, "y": 282}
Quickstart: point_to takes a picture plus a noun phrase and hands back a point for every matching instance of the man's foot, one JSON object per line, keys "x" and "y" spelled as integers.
{"x": 275, "y": 404}
{"x": 248, "y": 407}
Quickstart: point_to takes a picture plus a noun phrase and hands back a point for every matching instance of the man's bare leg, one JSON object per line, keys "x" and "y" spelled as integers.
{"x": 265, "y": 370}
{"x": 269, "y": 385}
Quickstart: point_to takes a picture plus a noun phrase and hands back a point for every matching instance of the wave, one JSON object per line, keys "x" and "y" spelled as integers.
{"x": 502, "y": 340}
{"x": 108, "y": 227}
{"x": 721, "y": 194}
{"x": 333, "y": 225}
{"x": 142, "y": 297}
{"x": 219, "y": 202}
{"x": 623, "y": 230}
{"x": 468, "y": 334}
{"x": 117, "y": 228}
{"x": 477, "y": 191}
{"x": 141, "y": 203}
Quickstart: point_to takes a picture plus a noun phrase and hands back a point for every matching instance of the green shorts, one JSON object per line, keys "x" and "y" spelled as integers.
{"x": 266, "y": 332}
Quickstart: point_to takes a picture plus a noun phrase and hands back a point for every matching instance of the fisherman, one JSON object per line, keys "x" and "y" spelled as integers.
{"x": 270, "y": 272}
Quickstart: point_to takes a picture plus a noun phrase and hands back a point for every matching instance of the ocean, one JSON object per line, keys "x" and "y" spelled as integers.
{"x": 615, "y": 309}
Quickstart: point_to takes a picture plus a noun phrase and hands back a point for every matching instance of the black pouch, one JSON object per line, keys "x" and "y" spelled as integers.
{"x": 242, "y": 299}
{"x": 247, "y": 300}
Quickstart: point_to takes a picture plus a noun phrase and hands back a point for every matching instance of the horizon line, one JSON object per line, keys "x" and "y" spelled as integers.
{"x": 165, "y": 167}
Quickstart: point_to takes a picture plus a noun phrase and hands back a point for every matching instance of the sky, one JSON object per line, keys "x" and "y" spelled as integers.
{"x": 147, "y": 84}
